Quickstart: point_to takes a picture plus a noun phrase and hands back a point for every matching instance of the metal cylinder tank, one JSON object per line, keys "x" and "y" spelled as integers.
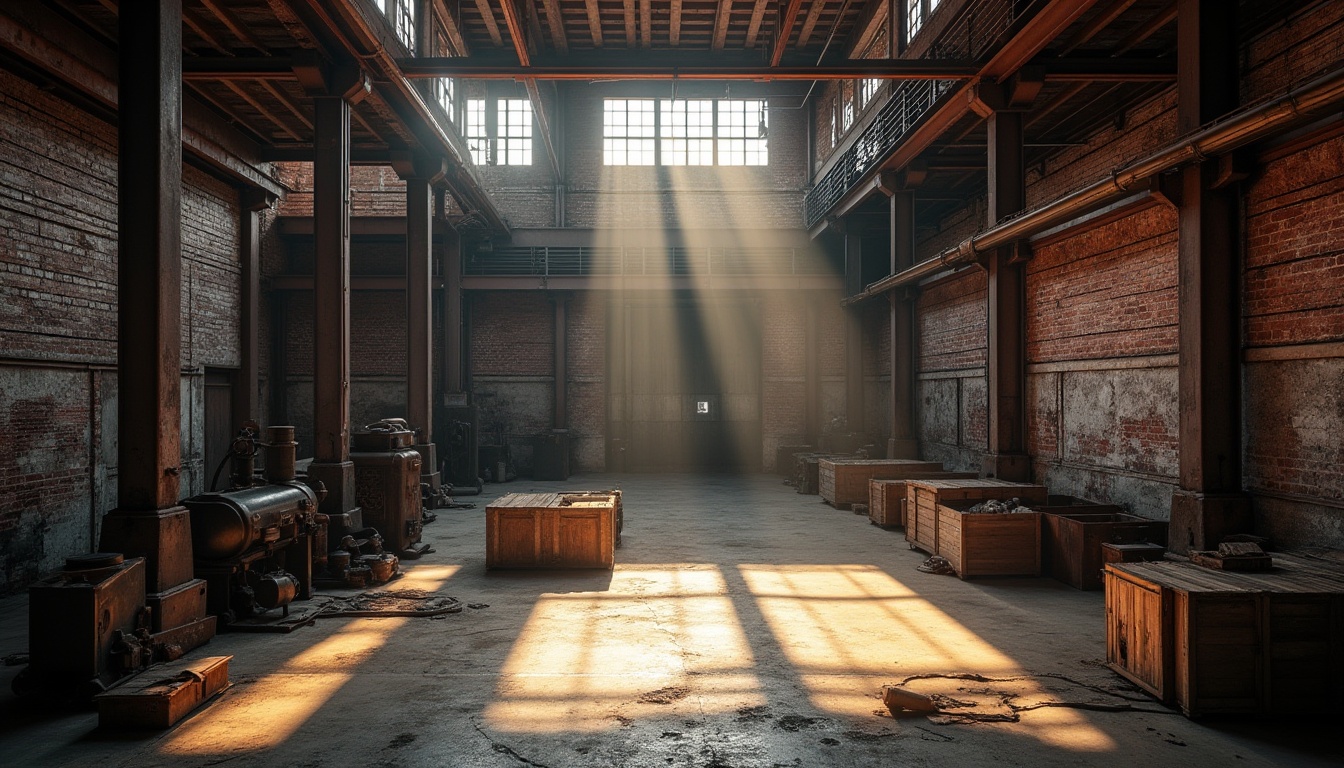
{"x": 225, "y": 525}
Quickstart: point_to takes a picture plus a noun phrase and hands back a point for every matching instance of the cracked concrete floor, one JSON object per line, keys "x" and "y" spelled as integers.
{"x": 744, "y": 625}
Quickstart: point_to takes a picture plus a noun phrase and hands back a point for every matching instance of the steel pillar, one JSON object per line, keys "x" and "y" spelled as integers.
{"x": 560, "y": 419}
{"x": 1006, "y": 457}
{"x": 331, "y": 309}
{"x": 903, "y": 443}
{"x": 453, "y": 381}
{"x": 854, "y": 332}
{"x": 1209, "y": 502}
{"x": 247, "y": 389}
{"x": 149, "y": 261}
{"x": 812, "y": 371}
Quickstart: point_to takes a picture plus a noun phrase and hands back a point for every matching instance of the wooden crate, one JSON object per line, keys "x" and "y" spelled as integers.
{"x": 886, "y": 498}
{"x": 924, "y": 496}
{"x": 989, "y": 543}
{"x": 1140, "y": 552}
{"x": 1071, "y": 541}
{"x": 844, "y": 482}
{"x": 163, "y": 694}
{"x": 1214, "y": 642}
{"x": 806, "y": 470}
{"x": 784, "y": 458}
{"x": 551, "y": 530}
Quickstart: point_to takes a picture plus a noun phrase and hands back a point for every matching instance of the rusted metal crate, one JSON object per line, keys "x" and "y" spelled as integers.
{"x": 886, "y": 498}
{"x": 924, "y": 496}
{"x": 844, "y": 482}
{"x": 1211, "y": 641}
{"x": 1072, "y": 541}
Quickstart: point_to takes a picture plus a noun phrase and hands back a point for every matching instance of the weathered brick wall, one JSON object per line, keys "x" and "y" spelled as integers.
{"x": 375, "y": 190}
{"x": 512, "y": 367}
{"x": 58, "y": 325}
{"x": 586, "y": 392}
{"x": 1293, "y": 324}
{"x": 783, "y": 373}
{"x": 950, "y": 391}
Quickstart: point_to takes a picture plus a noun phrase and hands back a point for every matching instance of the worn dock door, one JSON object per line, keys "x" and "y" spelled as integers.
{"x": 686, "y": 393}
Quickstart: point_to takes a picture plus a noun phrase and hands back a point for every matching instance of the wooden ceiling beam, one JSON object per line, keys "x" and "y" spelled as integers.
{"x": 754, "y": 28}
{"x": 262, "y": 110}
{"x": 198, "y": 25}
{"x": 1138, "y": 36}
{"x": 674, "y": 24}
{"x": 452, "y": 29}
{"x": 513, "y": 19}
{"x": 1096, "y": 25}
{"x": 872, "y": 20}
{"x": 788, "y": 18}
{"x": 595, "y": 21}
{"x": 721, "y": 24}
{"x": 646, "y": 23}
{"x": 234, "y": 24}
{"x": 556, "y": 23}
{"x": 631, "y": 35}
{"x": 279, "y": 95}
{"x": 810, "y": 23}
{"x": 491, "y": 26}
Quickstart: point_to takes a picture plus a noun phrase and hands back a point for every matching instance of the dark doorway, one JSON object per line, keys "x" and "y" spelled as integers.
{"x": 688, "y": 385}
{"x": 219, "y": 426}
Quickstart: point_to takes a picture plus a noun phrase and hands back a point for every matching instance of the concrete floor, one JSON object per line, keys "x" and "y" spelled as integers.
{"x": 744, "y": 625}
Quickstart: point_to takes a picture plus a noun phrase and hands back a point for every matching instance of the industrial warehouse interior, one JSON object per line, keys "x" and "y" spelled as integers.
{"x": 706, "y": 383}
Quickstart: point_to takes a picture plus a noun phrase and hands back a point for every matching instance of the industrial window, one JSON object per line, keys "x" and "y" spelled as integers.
{"x": 917, "y": 12}
{"x": 849, "y": 115}
{"x": 868, "y": 89}
{"x": 685, "y": 132}
{"x": 401, "y": 13}
{"x": 501, "y": 138}
{"x": 445, "y": 91}
{"x": 833, "y": 126}
{"x": 628, "y": 127}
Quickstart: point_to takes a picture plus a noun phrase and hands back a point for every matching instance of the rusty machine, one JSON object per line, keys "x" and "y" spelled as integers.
{"x": 387, "y": 485}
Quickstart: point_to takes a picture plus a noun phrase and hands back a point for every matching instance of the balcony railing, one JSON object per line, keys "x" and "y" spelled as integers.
{"x": 564, "y": 261}
{"x": 973, "y": 33}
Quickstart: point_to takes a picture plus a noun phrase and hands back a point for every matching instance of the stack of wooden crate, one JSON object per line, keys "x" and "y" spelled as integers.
{"x": 886, "y": 498}
{"x": 976, "y": 544}
{"x": 1220, "y": 642}
{"x": 843, "y": 483}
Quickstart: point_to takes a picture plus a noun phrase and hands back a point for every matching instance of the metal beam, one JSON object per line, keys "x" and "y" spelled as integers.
{"x": 149, "y": 265}
{"x": 331, "y": 247}
{"x": 234, "y": 24}
{"x": 787, "y": 19}
{"x": 246, "y": 404}
{"x": 1099, "y": 22}
{"x": 515, "y": 24}
{"x": 419, "y": 293}
{"x": 886, "y": 69}
{"x": 903, "y": 442}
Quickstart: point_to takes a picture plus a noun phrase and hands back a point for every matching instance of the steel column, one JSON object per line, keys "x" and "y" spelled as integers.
{"x": 854, "y": 331}
{"x": 247, "y": 389}
{"x": 452, "y": 314}
{"x": 420, "y": 333}
{"x": 1006, "y": 457}
{"x": 331, "y": 306}
{"x": 812, "y": 370}
{"x": 1209, "y": 503}
{"x": 149, "y": 262}
{"x": 903, "y": 443}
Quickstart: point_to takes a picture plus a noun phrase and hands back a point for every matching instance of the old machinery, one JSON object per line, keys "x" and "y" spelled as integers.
{"x": 88, "y": 627}
{"x": 387, "y": 484}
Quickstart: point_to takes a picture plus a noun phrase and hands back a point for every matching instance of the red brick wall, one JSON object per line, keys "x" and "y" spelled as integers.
{"x": 512, "y": 334}
{"x": 783, "y": 371}
{"x": 586, "y": 394}
{"x": 1105, "y": 292}
{"x": 375, "y": 190}
{"x": 951, "y": 322}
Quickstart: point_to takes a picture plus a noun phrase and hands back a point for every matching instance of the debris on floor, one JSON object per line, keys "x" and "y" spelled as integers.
{"x": 973, "y": 698}
{"x": 390, "y": 603}
{"x": 937, "y": 564}
{"x": 163, "y": 695}
{"x": 900, "y": 702}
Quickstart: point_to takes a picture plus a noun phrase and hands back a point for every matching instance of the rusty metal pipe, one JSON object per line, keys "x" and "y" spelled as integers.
{"x": 1235, "y": 131}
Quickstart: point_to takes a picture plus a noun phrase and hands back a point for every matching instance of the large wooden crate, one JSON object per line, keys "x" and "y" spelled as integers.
{"x": 806, "y": 470}
{"x": 989, "y": 543}
{"x": 1071, "y": 541}
{"x": 844, "y": 482}
{"x": 551, "y": 530}
{"x": 886, "y": 498}
{"x": 924, "y": 496}
{"x": 1212, "y": 642}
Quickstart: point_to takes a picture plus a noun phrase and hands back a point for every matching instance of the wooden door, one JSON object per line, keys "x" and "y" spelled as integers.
{"x": 689, "y": 386}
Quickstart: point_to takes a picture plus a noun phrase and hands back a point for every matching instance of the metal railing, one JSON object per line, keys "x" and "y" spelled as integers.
{"x": 564, "y": 261}
{"x": 970, "y": 36}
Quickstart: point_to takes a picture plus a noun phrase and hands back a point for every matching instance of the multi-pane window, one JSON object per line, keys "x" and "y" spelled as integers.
{"x": 868, "y": 89}
{"x": 402, "y": 15}
{"x": 917, "y": 12}
{"x": 478, "y": 136}
{"x": 446, "y": 92}
{"x": 514, "y": 143}
{"x": 848, "y": 119}
{"x": 501, "y": 138}
{"x": 834, "y": 127}
{"x": 628, "y": 128}
{"x": 685, "y": 132}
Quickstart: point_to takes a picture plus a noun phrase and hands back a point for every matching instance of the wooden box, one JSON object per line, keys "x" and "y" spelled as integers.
{"x": 924, "y": 496}
{"x": 844, "y": 482}
{"x": 784, "y": 459}
{"x": 806, "y": 469}
{"x": 164, "y": 694}
{"x": 551, "y": 530}
{"x": 989, "y": 543}
{"x": 1219, "y": 642}
{"x": 1139, "y": 552}
{"x": 886, "y": 498}
{"x": 1072, "y": 540}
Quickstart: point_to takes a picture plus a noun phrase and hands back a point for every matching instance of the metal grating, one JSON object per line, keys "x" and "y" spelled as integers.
{"x": 563, "y": 261}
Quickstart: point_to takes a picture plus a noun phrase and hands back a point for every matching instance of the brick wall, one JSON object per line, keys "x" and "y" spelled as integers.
{"x": 783, "y": 373}
{"x": 950, "y": 390}
{"x": 586, "y": 388}
{"x": 58, "y": 325}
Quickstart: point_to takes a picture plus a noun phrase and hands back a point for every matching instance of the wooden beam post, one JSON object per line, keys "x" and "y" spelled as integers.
{"x": 1209, "y": 502}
